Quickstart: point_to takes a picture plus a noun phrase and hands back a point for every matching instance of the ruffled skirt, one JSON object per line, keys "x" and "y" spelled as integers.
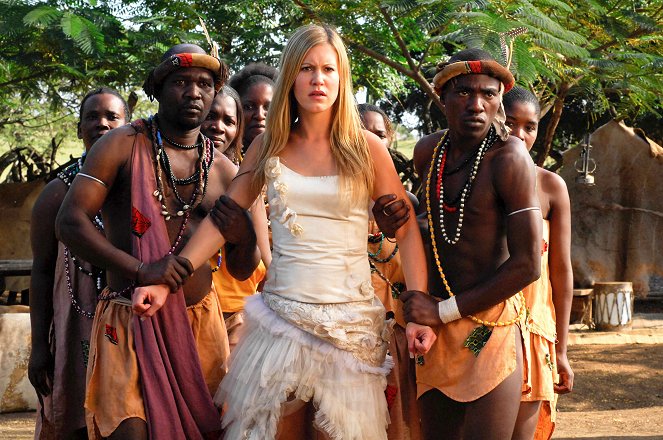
{"x": 276, "y": 361}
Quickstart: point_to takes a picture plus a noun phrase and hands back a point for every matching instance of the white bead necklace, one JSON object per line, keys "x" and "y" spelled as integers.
{"x": 487, "y": 142}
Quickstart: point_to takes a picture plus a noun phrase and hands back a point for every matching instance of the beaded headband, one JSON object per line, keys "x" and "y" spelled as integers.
{"x": 486, "y": 67}
{"x": 185, "y": 60}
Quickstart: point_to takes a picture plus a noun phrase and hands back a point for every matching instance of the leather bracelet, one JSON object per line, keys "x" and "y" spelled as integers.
{"x": 448, "y": 310}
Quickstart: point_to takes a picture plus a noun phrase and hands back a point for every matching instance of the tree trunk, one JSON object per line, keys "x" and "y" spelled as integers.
{"x": 558, "y": 107}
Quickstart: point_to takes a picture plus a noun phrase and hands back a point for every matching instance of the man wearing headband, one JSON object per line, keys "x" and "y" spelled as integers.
{"x": 483, "y": 226}
{"x": 154, "y": 181}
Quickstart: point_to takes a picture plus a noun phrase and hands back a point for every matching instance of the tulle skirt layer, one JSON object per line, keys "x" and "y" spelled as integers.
{"x": 276, "y": 361}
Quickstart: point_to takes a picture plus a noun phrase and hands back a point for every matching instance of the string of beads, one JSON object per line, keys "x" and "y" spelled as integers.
{"x": 183, "y": 146}
{"x": 162, "y": 166}
{"x": 521, "y": 311}
{"x": 440, "y": 162}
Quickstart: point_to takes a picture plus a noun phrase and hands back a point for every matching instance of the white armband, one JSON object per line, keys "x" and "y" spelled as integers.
{"x": 448, "y": 310}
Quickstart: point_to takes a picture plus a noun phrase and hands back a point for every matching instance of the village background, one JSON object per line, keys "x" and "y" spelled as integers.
{"x": 596, "y": 66}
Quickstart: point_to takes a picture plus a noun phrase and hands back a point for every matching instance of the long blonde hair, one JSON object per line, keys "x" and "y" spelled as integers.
{"x": 348, "y": 144}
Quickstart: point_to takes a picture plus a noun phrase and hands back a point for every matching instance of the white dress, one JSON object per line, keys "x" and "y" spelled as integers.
{"x": 317, "y": 331}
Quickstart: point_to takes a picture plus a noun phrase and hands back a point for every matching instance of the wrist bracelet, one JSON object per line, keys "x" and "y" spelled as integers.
{"x": 448, "y": 310}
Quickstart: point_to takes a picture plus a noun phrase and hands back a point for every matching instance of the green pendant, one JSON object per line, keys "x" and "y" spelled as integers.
{"x": 478, "y": 339}
{"x": 420, "y": 360}
{"x": 549, "y": 362}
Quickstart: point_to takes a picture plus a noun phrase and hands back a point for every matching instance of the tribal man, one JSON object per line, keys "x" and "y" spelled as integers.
{"x": 154, "y": 181}
{"x": 484, "y": 226}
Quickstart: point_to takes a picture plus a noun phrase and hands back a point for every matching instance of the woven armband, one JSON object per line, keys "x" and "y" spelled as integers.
{"x": 448, "y": 310}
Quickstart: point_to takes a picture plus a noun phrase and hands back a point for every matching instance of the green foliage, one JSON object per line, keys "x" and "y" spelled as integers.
{"x": 605, "y": 51}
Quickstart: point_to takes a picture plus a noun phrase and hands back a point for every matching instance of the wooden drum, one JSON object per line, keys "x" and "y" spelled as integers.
{"x": 613, "y": 305}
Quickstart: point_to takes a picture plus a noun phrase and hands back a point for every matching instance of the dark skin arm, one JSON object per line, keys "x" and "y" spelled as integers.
{"x": 514, "y": 184}
{"x": 390, "y": 214}
{"x": 108, "y": 160}
{"x": 561, "y": 274}
{"x": 236, "y": 226}
{"x": 45, "y": 251}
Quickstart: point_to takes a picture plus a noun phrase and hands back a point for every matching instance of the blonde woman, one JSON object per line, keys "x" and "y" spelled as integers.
{"x": 316, "y": 338}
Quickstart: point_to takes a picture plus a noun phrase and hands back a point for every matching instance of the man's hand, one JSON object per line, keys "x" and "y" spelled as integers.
{"x": 233, "y": 222}
{"x": 565, "y": 372}
{"x": 40, "y": 370}
{"x": 171, "y": 270}
{"x": 420, "y": 338}
{"x": 146, "y": 301}
{"x": 389, "y": 214}
{"x": 420, "y": 308}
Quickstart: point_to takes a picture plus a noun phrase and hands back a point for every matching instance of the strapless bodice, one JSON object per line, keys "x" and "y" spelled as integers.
{"x": 319, "y": 239}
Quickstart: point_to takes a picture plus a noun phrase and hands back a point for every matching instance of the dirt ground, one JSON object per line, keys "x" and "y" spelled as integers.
{"x": 618, "y": 395}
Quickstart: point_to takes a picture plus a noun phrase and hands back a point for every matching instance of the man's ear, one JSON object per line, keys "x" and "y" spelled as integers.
{"x": 78, "y": 130}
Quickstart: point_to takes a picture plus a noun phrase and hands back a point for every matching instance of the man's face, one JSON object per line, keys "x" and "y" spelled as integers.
{"x": 471, "y": 103}
{"x": 186, "y": 98}
{"x": 101, "y": 113}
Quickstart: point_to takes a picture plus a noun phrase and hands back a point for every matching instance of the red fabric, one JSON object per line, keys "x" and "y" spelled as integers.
{"x": 390, "y": 392}
{"x": 186, "y": 60}
{"x": 475, "y": 66}
{"x": 177, "y": 402}
{"x": 111, "y": 334}
{"x": 139, "y": 223}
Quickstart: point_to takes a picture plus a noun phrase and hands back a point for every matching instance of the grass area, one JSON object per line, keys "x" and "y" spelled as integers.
{"x": 406, "y": 146}
{"x": 39, "y": 136}
{"x": 38, "y": 132}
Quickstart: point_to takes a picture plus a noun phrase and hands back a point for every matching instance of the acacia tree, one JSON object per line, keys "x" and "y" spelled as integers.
{"x": 618, "y": 67}
{"x": 608, "y": 51}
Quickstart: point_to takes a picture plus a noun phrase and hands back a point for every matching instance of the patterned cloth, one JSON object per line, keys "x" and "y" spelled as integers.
{"x": 113, "y": 398}
{"x": 174, "y": 391}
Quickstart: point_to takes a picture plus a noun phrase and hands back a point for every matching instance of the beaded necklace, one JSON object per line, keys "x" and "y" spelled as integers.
{"x": 458, "y": 204}
{"x": 396, "y": 288}
{"x": 433, "y": 239}
{"x": 462, "y": 165}
{"x": 379, "y": 238}
{"x": 183, "y": 146}
{"x": 70, "y": 287}
{"x": 67, "y": 176}
{"x": 373, "y": 257}
{"x": 162, "y": 166}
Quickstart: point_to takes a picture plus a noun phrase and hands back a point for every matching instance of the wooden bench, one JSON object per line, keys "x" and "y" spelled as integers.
{"x": 15, "y": 268}
{"x": 581, "y": 307}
